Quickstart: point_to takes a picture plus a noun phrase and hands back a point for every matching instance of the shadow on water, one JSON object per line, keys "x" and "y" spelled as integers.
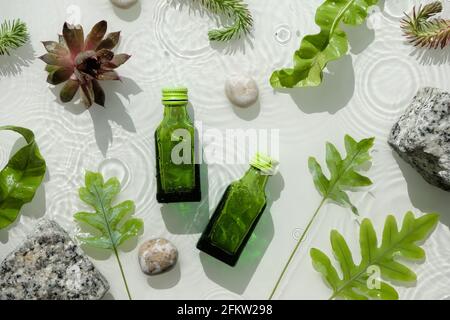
{"x": 115, "y": 110}
{"x": 332, "y": 95}
{"x": 34, "y": 209}
{"x": 359, "y": 37}
{"x": 165, "y": 280}
{"x": 435, "y": 57}
{"x": 424, "y": 196}
{"x": 108, "y": 296}
{"x": 250, "y": 113}
{"x": 130, "y": 14}
{"x": 236, "y": 279}
{"x": 18, "y": 59}
{"x": 188, "y": 217}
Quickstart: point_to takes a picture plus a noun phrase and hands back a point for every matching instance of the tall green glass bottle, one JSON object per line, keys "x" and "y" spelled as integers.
{"x": 177, "y": 174}
{"x": 238, "y": 212}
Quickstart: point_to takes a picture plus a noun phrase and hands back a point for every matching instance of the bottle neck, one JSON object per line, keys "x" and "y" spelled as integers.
{"x": 175, "y": 112}
{"x": 255, "y": 179}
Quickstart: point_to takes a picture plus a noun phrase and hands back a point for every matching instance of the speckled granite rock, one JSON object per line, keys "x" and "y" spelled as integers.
{"x": 49, "y": 265}
{"x": 422, "y": 136}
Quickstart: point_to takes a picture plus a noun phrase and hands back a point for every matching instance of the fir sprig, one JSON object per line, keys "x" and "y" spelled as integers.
{"x": 13, "y": 34}
{"x": 236, "y": 10}
{"x": 422, "y": 31}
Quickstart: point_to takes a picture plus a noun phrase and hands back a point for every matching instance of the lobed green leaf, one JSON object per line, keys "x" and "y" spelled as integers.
{"x": 111, "y": 223}
{"x": 343, "y": 171}
{"x": 356, "y": 280}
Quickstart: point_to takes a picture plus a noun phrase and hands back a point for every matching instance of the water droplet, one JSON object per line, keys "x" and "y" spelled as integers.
{"x": 283, "y": 34}
{"x": 115, "y": 168}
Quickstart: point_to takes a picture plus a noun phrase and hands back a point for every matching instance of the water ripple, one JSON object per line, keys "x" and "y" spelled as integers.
{"x": 194, "y": 44}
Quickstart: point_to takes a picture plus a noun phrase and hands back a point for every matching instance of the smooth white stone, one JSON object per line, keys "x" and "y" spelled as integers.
{"x": 242, "y": 90}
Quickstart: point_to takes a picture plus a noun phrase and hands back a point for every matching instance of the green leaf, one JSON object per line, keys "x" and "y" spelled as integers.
{"x": 21, "y": 177}
{"x": 343, "y": 172}
{"x": 331, "y": 43}
{"x": 356, "y": 281}
{"x": 112, "y": 223}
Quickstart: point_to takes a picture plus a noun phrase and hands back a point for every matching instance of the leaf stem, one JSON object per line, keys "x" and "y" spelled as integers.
{"x": 100, "y": 200}
{"x": 296, "y": 248}
{"x": 122, "y": 272}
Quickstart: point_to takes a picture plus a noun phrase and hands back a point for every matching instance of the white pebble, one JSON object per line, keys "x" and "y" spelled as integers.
{"x": 241, "y": 90}
{"x": 157, "y": 256}
{"x": 124, "y": 4}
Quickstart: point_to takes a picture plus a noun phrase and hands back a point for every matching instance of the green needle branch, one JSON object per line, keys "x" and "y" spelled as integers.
{"x": 13, "y": 34}
{"x": 422, "y": 31}
{"x": 233, "y": 9}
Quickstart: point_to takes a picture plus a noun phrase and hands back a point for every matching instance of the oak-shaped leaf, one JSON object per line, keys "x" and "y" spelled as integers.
{"x": 112, "y": 223}
{"x": 360, "y": 281}
{"x": 343, "y": 171}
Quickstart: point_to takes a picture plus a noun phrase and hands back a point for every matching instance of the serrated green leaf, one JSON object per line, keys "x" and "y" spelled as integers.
{"x": 343, "y": 171}
{"x": 331, "y": 43}
{"x": 21, "y": 177}
{"x": 355, "y": 282}
{"x": 110, "y": 221}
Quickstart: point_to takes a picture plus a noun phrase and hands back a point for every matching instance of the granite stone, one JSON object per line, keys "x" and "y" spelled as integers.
{"x": 422, "y": 136}
{"x": 49, "y": 265}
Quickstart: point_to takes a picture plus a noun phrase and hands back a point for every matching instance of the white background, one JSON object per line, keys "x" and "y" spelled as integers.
{"x": 363, "y": 94}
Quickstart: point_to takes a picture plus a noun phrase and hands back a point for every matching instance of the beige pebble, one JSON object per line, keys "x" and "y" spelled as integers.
{"x": 157, "y": 256}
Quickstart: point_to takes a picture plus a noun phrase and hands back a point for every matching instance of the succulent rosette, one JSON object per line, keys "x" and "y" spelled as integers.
{"x": 81, "y": 63}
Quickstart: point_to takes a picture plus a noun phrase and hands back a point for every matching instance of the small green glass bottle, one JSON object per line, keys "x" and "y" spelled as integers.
{"x": 177, "y": 174}
{"x": 238, "y": 212}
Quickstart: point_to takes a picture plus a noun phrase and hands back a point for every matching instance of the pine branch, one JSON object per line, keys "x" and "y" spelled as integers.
{"x": 234, "y": 9}
{"x": 12, "y": 35}
{"x": 422, "y": 31}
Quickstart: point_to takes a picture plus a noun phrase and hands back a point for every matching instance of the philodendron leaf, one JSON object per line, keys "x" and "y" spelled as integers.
{"x": 329, "y": 44}
{"x": 21, "y": 177}
{"x": 112, "y": 222}
{"x": 362, "y": 281}
{"x": 343, "y": 171}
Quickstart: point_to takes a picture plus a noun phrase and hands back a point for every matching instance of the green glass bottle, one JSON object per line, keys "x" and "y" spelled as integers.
{"x": 238, "y": 212}
{"x": 177, "y": 174}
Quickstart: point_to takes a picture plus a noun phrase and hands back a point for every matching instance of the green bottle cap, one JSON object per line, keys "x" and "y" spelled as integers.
{"x": 175, "y": 94}
{"x": 265, "y": 164}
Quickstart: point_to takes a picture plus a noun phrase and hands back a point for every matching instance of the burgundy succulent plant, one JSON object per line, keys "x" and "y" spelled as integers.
{"x": 81, "y": 63}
